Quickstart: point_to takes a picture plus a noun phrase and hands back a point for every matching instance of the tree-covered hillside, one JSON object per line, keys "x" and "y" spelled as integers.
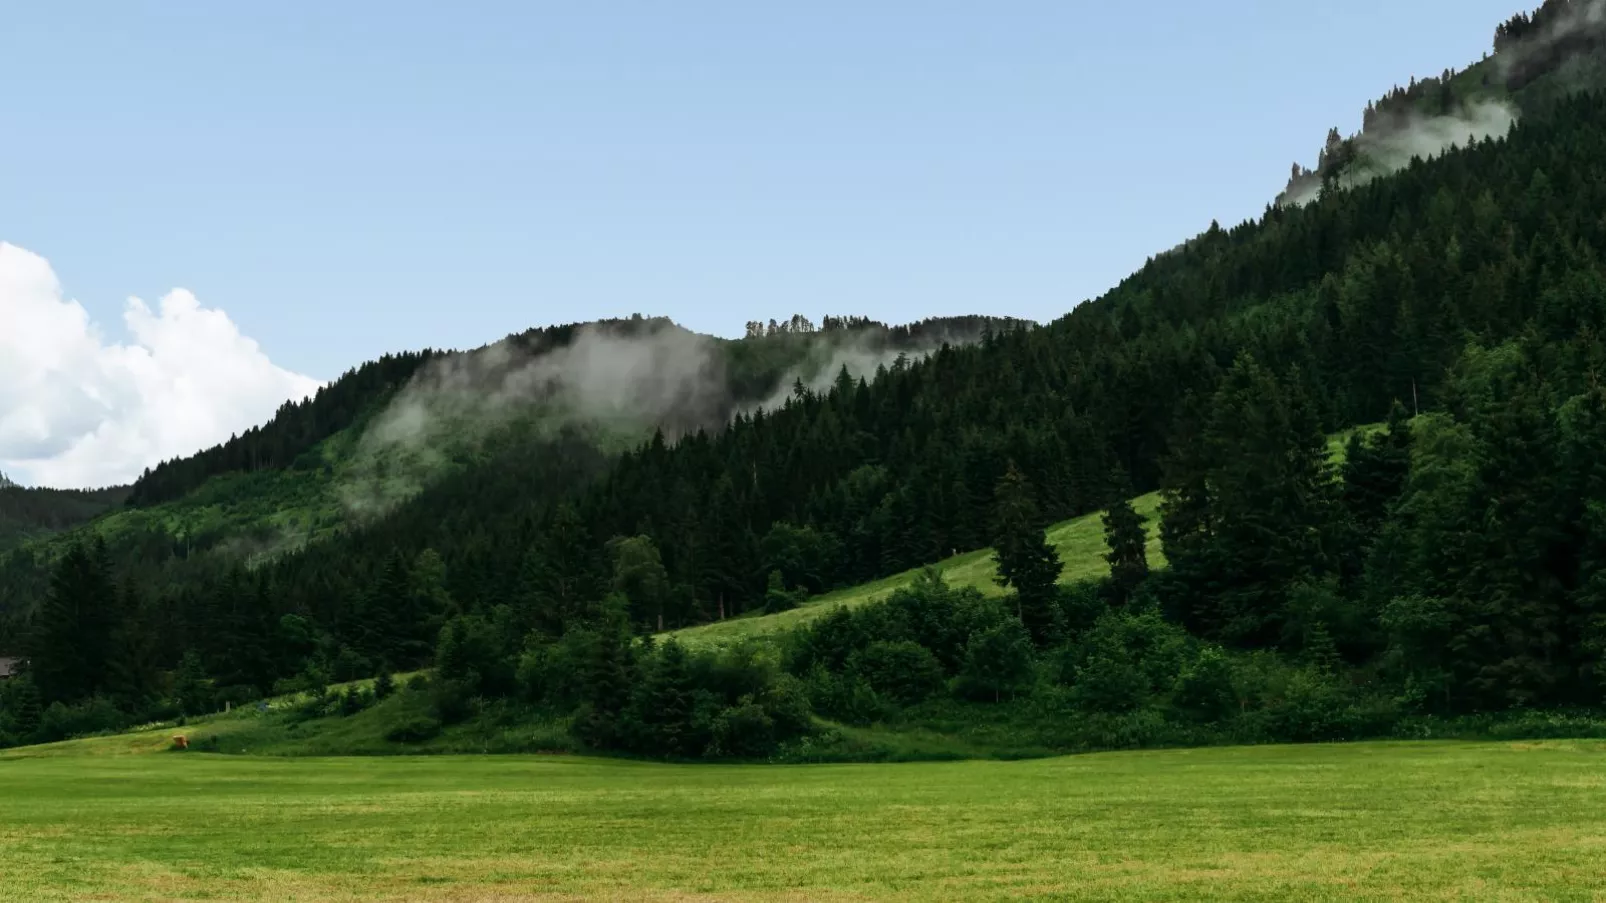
{"x": 1538, "y": 59}
{"x": 1452, "y": 565}
{"x": 374, "y": 439}
{"x": 32, "y": 513}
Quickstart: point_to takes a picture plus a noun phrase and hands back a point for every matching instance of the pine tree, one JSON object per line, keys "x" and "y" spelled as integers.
{"x": 1127, "y": 542}
{"x": 664, "y": 703}
{"x": 1253, "y": 514}
{"x": 190, "y": 686}
{"x": 605, "y": 686}
{"x": 135, "y": 666}
{"x": 1026, "y": 562}
{"x": 558, "y": 575}
{"x": 70, "y": 648}
{"x": 29, "y": 706}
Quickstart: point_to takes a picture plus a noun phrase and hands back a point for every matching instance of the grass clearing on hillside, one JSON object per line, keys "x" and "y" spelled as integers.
{"x": 1079, "y": 542}
{"x": 1388, "y": 820}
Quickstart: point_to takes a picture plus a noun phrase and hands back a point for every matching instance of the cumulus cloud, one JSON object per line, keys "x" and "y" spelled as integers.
{"x": 77, "y": 410}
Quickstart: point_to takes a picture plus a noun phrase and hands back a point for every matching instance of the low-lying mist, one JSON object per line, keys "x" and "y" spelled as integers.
{"x": 619, "y": 380}
{"x": 1391, "y": 148}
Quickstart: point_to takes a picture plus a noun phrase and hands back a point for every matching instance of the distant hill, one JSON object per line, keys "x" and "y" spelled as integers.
{"x": 439, "y": 421}
{"x": 35, "y": 513}
{"x": 1538, "y": 59}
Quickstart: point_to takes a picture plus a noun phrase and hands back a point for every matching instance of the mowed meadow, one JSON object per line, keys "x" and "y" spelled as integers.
{"x": 117, "y": 819}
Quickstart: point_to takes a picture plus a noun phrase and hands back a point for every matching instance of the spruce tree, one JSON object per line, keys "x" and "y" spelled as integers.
{"x": 1127, "y": 541}
{"x": 664, "y": 704}
{"x": 71, "y": 645}
{"x": 1026, "y": 562}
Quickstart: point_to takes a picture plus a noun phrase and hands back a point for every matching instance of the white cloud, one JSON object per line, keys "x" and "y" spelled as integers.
{"x": 77, "y": 410}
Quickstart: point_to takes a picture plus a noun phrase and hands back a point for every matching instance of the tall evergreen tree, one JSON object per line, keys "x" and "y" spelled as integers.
{"x": 1128, "y": 547}
{"x": 71, "y": 645}
{"x": 1026, "y": 562}
{"x": 1255, "y": 513}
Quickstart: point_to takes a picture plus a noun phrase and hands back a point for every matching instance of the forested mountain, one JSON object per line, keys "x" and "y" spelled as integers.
{"x": 1538, "y": 58}
{"x": 27, "y": 513}
{"x": 375, "y": 438}
{"x": 1452, "y": 565}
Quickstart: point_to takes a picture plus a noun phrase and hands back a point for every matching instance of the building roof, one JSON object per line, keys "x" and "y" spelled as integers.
{"x": 8, "y": 666}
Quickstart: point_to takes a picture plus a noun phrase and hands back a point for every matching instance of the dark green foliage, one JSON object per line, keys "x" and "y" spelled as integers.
{"x": 639, "y": 576}
{"x": 191, "y": 691}
{"x": 778, "y": 598}
{"x": 31, "y": 513}
{"x": 71, "y": 643}
{"x": 1026, "y": 563}
{"x": 416, "y": 729}
{"x": 998, "y": 662}
{"x": 663, "y": 705}
{"x": 1205, "y": 688}
{"x": 1128, "y": 555}
{"x": 90, "y": 716}
{"x": 477, "y": 653}
{"x": 805, "y": 557}
{"x": 1125, "y": 661}
{"x": 1249, "y": 511}
{"x": 903, "y": 671}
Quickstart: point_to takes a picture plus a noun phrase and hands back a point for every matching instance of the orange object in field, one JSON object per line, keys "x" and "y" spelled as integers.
{"x": 181, "y": 742}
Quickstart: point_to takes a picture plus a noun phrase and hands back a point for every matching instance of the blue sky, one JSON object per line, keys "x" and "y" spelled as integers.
{"x": 350, "y": 178}
{"x": 345, "y": 179}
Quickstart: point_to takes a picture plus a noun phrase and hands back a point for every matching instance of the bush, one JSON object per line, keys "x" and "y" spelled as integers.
{"x": 1311, "y": 708}
{"x": 1109, "y": 681}
{"x": 414, "y": 730}
{"x": 60, "y": 722}
{"x": 452, "y": 701}
{"x": 998, "y": 662}
{"x": 745, "y": 730}
{"x": 778, "y": 598}
{"x": 1205, "y": 690}
{"x": 904, "y": 672}
{"x": 1124, "y": 660}
{"x": 354, "y": 700}
{"x": 845, "y": 697}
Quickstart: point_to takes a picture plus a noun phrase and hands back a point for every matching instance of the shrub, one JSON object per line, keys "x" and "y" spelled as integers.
{"x": 1109, "y": 681}
{"x": 354, "y": 700}
{"x": 998, "y": 662}
{"x": 414, "y": 730}
{"x": 778, "y": 598}
{"x": 904, "y": 672}
{"x": 1205, "y": 690}
{"x": 59, "y": 722}
{"x": 744, "y": 730}
{"x": 452, "y": 701}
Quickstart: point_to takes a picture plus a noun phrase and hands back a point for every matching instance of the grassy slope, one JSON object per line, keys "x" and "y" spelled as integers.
{"x": 1378, "y": 821}
{"x": 1079, "y": 542}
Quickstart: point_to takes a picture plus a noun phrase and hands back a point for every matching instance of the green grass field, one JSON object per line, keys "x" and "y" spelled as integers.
{"x": 111, "y": 819}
